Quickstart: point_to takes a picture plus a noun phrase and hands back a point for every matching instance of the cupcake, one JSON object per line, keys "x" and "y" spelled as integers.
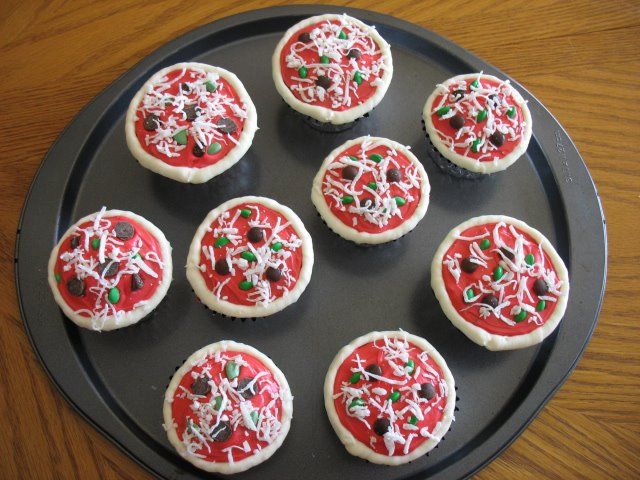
{"x": 110, "y": 270}
{"x": 190, "y": 122}
{"x": 250, "y": 257}
{"x": 500, "y": 282}
{"x": 227, "y": 408}
{"x": 478, "y": 124}
{"x": 332, "y": 69}
{"x": 390, "y": 397}
{"x": 371, "y": 190}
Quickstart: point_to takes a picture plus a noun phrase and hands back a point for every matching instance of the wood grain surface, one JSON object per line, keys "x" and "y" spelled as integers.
{"x": 581, "y": 59}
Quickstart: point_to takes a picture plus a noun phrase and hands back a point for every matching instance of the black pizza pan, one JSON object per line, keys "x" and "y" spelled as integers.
{"x": 116, "y": 380}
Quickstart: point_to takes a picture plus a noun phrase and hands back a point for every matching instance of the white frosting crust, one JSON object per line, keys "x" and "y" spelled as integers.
{"x": 320, "y": 113}
{"x": 479, "y": 335}
{"x": 356, "y": 447}
{"x": 469, "y": 163}
{"x": 194, "y": 275}
{"x": 350, "y": 233}
{"x": 188, "y": 174}
{"x": 256, "y": 458}
{"x": 129, "y": 317}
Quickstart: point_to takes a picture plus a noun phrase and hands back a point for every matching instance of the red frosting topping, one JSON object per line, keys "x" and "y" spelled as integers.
{"x": 522, "y": 262}
{"x": 409, "y": 408}
{"x": 189, "y": 106}
{"x": 249, "y": 277}
{"x": 78, "y": 263}
{"x": 488, "y": 113}
{"x": 376, "y": 199}
{"x": 342, "y": 52}
{"x": 221, "y": 417}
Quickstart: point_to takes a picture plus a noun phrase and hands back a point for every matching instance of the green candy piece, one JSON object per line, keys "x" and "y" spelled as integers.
{"x": 400, "y": 201}
{"x": 218, "y": 402}
{"x": 482, "y": 116}
{"x": 475, "y": 145}
{"x": 394, "y": 396}
{"x": 376, "y": 157}
{"x": 192, "y": 427}
{"x": 232, "y": 369}
{"x": 214, "y": 148}
{"x": 413, "y": 420}
{"x": 276, "y": 246}
{"x": 470, "y": 294}
{"x": 355, "y": 378}
{"x": 137, "y": 255}
{"x": 57, "y": 277}
{"x": 347, "y": 199}
{"x": 324, "y": 59}
{"x": 342, "y": 35}
{"x": 221, "y": 242}
{"x": 356, "y": 402}
{"x": 530, "y": 259}
{"x": 254, "y": 417}
{"x": 95, "y": 243}
{"x": 211, "y": 87}
{"x": 484, "y": 244}
{"x": 498, "y": 272}
{"x": 541, "y": 305}
{"x": 248, "y": 256}
{"x": 511, "y": 112}
{"x": 302, "y": 72}
{"x": 357, "y": 77}
{"x": 180, "y": 137}
{"x": 355, "y": 159}
{"x": 114, "y": 295}
{"x": 443, "y": 110}
{"x": 246, "y": 285}
{"x": 245, "y": 213}
{"x": 410, "y": 366}
{"x": 372, "y": 185}
{"x": 520, "y": 316}
{"x": 475, "y": 84}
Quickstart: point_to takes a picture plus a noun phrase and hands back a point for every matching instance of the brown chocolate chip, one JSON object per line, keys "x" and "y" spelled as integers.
{"x": 222, "y": 432}
{"x": 136, "y": 282}
{"x": 427, "y": 391}
{"x": 108, "y": 268}
{"x": 394, "y": 175}
{"x": 349, "y": 172}
{"x": 246, "y": 393}
{"x": 75, "y": 287}
{"x": 197, "y": 150}
{"x": 457, "y": 121}
{"x": 151, "y": 122}
{"x": 255, "y": 234}
{"x": 458, "y": 95}
{"x": 354, "y": 53}
{"x": 490, "y": 300}
{"x": 75, "y": 241}
{"x": 304, "y": 37}
{"x": 468, "y": 266}
{"x": 324, "y": 82}
{"x": 200, "y": 385}
{"x": 222, "y": 267}
{"x": 497, "y": 138}
{"x": 540, "y": 287}
{"x": 192, "y": 112}
{"x": 507, "y": 253}
{"x": 185, "y": 87}
{"x": 226, "y": 125}
{"x": 273, "y": 274}
{"x": 375, "y": 369}
{"x": 381, "y": 425}
{"x": 367, "y": 202}
{"x": 124, "y": 230}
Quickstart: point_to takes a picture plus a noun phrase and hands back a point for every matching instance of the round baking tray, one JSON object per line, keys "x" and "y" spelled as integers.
{"x": 116, "y": 380}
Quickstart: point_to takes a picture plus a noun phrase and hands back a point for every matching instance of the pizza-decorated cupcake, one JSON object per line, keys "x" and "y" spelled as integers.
{"x": 501, "y": 282}
{"x": 332, "y": 69}
{"x": 227, "y": 408}
{"x": 190, "y": 122}
{"x": 390, "y": 397}
{"x": 478, "y": 123}
{"x": 250, "y": 257}
{"x": 371, "y": 190}
{"x": 110, "y": 270}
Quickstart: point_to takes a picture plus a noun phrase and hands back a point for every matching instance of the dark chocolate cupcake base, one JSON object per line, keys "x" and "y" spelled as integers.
{"x": 327, "y": 127}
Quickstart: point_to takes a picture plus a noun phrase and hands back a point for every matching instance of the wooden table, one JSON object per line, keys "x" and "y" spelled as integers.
{"x": 581, "y": 59}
